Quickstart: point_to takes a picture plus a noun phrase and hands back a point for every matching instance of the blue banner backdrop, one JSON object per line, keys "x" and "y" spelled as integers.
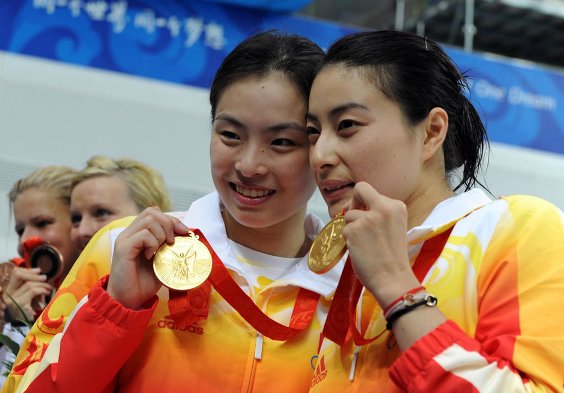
{"x": 176, "y": 41}
{"x": 273, "y": 5}
{"x": 520, "y": 105}
{"x": 185, "y": 41}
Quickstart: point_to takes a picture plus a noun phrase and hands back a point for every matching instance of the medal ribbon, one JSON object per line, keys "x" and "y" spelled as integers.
{"x": 193, "y": 305}
{"x": 340, "y": 325}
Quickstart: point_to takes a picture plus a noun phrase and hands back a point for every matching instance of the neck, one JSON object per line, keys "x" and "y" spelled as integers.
{"x": 422, "y": 203}
{"x": 286, "y": 239}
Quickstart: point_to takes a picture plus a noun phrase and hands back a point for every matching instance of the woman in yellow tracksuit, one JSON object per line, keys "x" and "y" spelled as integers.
{"x": 462, "y": 293}
{"x": 129, "y": 333}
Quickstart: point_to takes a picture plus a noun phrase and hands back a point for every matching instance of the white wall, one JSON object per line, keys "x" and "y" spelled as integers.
{"x": 52, "y": 113}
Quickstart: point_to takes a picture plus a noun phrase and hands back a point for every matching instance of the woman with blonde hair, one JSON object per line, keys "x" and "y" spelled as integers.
{"x": 65, "y": 208}
{"x": 108, "y": 189}
{"x": 40, "y": 204}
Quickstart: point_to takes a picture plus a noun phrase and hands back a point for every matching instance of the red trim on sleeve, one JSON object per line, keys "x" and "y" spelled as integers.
{"x": 416, "y": 360}
{"x": 102, "y": 303}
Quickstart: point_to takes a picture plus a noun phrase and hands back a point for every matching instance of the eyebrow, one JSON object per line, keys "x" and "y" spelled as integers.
{"x": 275, "y": 128}
{"x": 335, "y": 112}
{"x": 229, "y": 119}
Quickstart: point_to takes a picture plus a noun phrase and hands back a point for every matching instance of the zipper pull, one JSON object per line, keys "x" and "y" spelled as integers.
{"x": 258, "y": 346}
{"x": 353, "y": 363}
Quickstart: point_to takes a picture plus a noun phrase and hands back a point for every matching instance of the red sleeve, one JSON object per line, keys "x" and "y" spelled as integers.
{"x": 448, "y": 360}
{"x": 101, "y": 335}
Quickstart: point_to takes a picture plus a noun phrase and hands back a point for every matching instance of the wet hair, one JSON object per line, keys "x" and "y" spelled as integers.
{"x": 145, "y": 185}
{"x": 418, "y": 75}
{"x": 54, "y": 178}
{"x": 293, "y": 56}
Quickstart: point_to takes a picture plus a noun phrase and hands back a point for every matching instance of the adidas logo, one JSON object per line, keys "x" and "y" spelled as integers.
{"x": 169, "y": 324}
{"x": 320, "y": 372}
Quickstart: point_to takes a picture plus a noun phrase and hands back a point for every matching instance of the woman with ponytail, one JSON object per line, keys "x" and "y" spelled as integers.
{"x": 444, "y": 289}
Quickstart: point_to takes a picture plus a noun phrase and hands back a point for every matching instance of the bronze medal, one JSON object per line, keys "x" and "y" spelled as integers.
{"x": 328, "y": 247}
{"x": 184, "y": 265}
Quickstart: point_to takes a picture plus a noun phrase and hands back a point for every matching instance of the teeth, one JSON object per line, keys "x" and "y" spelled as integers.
{"x": 252, "y": 193}
{"x": 334, "y": 188}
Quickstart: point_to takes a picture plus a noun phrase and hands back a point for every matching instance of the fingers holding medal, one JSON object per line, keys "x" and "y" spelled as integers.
{"x": 184, "y": 265}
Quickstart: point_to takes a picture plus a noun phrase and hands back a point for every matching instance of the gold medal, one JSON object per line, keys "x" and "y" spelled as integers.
{"x": 184, "y": 265}
{"x": 328, "y": 247}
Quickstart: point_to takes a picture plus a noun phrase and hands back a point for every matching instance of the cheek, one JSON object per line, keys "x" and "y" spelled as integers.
{"x": 219, "y": 159}
{"x": 361, "y": 159}
{"x": 298, "y": 171}
{"x": 75, "y": 237}
{"x": 61, "y": 234}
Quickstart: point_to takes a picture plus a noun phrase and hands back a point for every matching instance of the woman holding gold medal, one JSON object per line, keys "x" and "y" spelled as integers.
{"x": 461, "y": 293}
{"x": 240, "y": 311}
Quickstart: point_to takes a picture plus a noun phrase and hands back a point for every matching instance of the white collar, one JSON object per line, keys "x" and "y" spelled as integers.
{"x": 448, "y": 212}
{"x": 205, "y": 214}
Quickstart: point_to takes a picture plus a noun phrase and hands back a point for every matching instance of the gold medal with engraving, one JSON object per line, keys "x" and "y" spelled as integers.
{"x": 328, "y": 247}
{"x": 184, "y": 265}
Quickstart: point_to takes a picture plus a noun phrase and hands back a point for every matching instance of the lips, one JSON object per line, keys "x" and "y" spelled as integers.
{"x": 335, "y": 190}
{"x": 332, "y": 186}
{"x": 251, "y": 192}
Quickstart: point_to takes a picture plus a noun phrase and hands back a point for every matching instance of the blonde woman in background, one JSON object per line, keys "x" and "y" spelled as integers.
{"x": 108, "y": 189}
{"x": 40, "y": 203}
{"x": 104, "y": 190}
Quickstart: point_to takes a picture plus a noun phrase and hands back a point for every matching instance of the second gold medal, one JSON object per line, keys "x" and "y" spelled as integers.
{"x": 328, "y": 247}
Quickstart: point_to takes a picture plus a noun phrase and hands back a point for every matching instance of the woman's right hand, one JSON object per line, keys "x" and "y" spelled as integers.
{"x": 27, "y": 289}
{"x": 132, "y": 279}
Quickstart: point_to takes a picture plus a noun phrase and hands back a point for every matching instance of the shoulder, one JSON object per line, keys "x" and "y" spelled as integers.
{"x": 527, "y": 219}
{"x": 531, "y": 211}
{"x": 520, "y": 207}
{"x": 530, "y": 203}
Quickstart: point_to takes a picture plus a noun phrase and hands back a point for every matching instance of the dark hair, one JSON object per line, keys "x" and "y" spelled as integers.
{"x": 418, "y": 75}
{"x": 294, "y": 56}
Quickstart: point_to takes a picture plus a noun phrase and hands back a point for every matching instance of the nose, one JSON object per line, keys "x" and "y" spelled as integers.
{"x": 29, "y": 239}
{"x": 85, "y": 231}
{"x": 251, "y": 161}
{"x": 28, "y": 232}
{"x": 323, "y": 153}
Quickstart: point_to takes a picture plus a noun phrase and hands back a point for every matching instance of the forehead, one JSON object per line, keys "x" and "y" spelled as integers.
{"x": 337, "y": 85}
{"x": 272, "y": 90}
{"x": 98, "y": 188}
{"x": 262, "y": 102}
{"x": 343, "y": 75}
{"x": 37, "y": 201}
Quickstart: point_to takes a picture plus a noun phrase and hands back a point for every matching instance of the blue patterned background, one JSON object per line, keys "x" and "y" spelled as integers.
{"x": 184, "y": 42}
{"x": 176, "y": 41}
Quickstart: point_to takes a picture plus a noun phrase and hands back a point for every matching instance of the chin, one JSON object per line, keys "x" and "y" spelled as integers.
{"x": 250, "y": 220}
{"x": 335, "y": 209}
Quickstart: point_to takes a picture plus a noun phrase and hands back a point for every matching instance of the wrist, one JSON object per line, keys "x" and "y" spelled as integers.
{"x": 408, "y": 303}
{"x": 390, "y": 290}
